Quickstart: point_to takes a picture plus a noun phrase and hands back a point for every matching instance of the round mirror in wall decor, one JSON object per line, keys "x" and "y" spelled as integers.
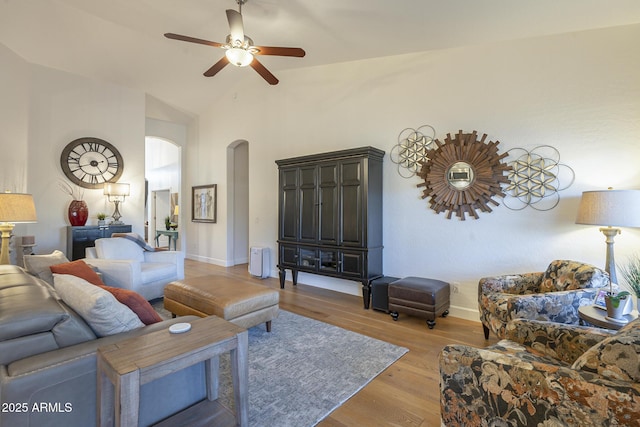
{"x": 463, "y": 175}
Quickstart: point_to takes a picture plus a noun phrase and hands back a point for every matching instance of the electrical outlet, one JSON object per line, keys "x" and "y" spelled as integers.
{"x": 455, "y": 287}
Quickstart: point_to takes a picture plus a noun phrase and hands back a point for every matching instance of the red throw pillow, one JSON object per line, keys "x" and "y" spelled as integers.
{"x": 136, "y": 303}
{"x": 80, "y": 269}
{"x": 131, "y": 299}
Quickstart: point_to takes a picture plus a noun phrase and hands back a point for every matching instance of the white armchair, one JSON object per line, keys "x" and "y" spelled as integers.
{"x": 124, "y": 264}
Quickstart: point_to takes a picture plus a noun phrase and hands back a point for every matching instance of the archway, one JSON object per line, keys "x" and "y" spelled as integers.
{"x": 238, "y": 202}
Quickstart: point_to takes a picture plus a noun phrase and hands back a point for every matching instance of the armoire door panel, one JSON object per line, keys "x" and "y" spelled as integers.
{"x": 308, "y": 205}
{"x": 289, "y": 212}
{"x": 328, "y": 204}
{"x": 351, "y": 200}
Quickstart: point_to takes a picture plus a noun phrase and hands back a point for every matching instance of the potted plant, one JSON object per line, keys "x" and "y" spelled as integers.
{"x": 101, "y": 218}
{"x": 631, "y": 274}
{"x": 617, "y": 304}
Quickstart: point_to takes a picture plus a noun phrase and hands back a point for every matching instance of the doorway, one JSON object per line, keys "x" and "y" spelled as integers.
{"x": 160, "y": 209}
{"x": 238, "y": 202}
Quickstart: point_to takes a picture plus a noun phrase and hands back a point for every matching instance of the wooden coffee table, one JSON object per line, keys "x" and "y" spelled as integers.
{"x": 598, "y": 317}
{"x": 124, "y": 366}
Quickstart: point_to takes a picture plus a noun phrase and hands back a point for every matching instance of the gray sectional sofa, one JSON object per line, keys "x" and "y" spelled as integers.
{"x": 48, "y": 361}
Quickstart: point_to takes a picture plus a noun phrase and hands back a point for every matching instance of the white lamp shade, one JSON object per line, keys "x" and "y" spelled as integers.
{"x": 615, "y": 208}
{"x": 239, "y": 57}
{"x": 17, "y": 207}
{"x": 116, "y": 189}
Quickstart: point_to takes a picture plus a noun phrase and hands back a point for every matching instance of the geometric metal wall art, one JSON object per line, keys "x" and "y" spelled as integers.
{"x": 536, "y": 177}
{"x": 463, "y": 174}
{"x": 412, "y": 148}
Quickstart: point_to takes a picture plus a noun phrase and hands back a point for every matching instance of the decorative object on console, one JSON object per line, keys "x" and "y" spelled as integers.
{"x": 116, "y": 193}
{"x": 536, "y": 178}
{"x": 91, "y": 162}
{"x": 78, "y": 211}
{"x": 411, "y": 149}
{"x": 240, "y": 50}
{"x": 204, "y": 202}
{"x": 101, "y": 218}
{"x": 463, "y": 174}
{"x": 14, "y": 208}
{"x": 610, "y": 208}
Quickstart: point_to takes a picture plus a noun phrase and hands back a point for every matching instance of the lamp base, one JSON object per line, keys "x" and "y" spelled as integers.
{"x": 6, "y": 229}
{"x": 610, "y": 263}
{"x": 116, "y": 223}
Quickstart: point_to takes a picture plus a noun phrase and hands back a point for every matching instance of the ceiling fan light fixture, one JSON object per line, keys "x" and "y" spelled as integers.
{"x": 239, "y": 57}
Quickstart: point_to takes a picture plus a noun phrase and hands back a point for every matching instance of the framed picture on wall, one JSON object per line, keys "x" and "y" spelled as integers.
{"x": 204, "y": 203}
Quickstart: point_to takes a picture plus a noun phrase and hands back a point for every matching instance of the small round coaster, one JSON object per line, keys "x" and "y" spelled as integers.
{"x": 179, "y": 328}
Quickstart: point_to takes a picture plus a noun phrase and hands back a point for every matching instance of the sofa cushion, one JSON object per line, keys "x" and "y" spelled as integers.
{"x": 565, "y": 275}
{"x": 136, "y": 303}
{"x": 78, "y": 268}
{"x": 119, "y": 248}
{"x": 39, "y": 265}
{"x": 617, "y": 357}
{"x": 131, "y": 299}
{"x": 98, "y": 308}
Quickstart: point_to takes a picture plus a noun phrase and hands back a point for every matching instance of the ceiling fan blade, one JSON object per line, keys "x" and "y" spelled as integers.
{"x": 235, "y": 25}
{"x": 215, "y": 68}
{"x": 192, "y": 40}
{"x": 280, "y": 51}
{"x": 266, "y": 74}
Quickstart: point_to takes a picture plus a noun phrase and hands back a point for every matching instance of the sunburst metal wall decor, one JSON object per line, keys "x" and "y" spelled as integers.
{"x": 463, "y": 174}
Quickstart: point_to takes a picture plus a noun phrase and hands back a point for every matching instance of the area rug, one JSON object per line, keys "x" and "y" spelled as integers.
{"x": 304, "y": 369}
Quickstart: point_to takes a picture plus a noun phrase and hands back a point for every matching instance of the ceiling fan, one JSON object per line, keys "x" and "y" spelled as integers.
{"x": 240, "y": 50}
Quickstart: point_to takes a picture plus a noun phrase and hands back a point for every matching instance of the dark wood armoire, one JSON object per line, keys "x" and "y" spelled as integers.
{"x": 330, "y": 216}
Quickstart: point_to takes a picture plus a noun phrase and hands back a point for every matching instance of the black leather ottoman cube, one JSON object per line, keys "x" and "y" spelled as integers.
{"x": 380, "y": 293}
{"x": 420, "y": 297}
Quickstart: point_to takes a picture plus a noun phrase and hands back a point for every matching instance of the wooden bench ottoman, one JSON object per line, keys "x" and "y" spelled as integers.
{"x": 244, "y": 304}
{"x": 417, "y": 296}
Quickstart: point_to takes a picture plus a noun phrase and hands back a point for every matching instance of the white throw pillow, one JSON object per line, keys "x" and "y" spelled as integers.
{"x": 119, "y": 248}
{"x": 38, "y": 265}
{"x": 99, "y": 308}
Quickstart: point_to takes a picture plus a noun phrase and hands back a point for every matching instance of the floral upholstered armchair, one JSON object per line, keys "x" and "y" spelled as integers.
{"x": 545, "y": 374}
{"x": 554, "y": 295}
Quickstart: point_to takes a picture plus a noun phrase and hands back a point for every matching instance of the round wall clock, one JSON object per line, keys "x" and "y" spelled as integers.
{"x": 90, "y": 162}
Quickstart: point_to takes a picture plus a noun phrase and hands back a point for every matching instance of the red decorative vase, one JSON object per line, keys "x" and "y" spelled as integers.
{"x": 78, "y": 213}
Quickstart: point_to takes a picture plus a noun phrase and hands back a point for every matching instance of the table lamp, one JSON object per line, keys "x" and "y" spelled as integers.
{"x": 116, "y": 193}
{"x": 14, "y": 208}
{"x": 610, "y": 208}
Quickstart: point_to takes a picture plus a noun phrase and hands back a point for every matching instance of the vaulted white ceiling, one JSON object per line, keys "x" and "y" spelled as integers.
{"x": 121, "y": 41}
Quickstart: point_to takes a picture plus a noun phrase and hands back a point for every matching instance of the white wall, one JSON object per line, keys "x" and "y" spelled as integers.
{"x": 42, "y": 110}
{"x": 577, "y": 92}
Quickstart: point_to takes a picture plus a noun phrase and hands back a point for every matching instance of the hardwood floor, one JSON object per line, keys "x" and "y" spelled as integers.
{"x": 406, "y": 393}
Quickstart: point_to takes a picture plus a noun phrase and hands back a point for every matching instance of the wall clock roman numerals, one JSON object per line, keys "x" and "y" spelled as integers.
{"x": 90, "y": 162}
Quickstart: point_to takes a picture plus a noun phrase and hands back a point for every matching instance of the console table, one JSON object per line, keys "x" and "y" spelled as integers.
{"x": 81, "y": 237}
{"x": 126, "y": 365}
{"x": 171, "y": 234}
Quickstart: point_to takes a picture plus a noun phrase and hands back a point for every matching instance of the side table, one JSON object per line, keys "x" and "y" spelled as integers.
{"x": 124, "y": 366}
{"x": 171, "y": 234}
{"x": 598, "y": 317}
